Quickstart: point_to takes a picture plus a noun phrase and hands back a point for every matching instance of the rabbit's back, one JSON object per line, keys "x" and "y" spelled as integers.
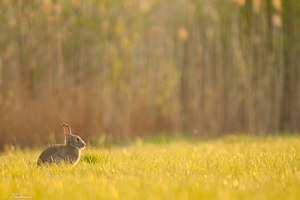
{"x": 58, "y": 153}
{"x": 53, "y": 154}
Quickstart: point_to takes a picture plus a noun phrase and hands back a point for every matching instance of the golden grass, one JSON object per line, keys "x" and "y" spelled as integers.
{"x": 229, "y": 168}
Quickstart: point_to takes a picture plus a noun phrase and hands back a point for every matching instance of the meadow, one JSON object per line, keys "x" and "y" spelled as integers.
{"x": 232, "y": 167}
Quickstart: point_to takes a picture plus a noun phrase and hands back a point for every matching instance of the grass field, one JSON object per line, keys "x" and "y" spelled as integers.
{"x": 235, "y": 167}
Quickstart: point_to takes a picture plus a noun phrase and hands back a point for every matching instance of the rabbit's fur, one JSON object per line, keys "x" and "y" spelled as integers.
{"x": 68, "y": 152}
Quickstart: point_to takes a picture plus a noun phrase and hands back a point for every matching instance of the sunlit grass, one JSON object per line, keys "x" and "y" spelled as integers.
{"x": 228, "y": 168}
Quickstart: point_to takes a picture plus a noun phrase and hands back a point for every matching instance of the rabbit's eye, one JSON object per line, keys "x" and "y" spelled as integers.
{"x": 77, "y": 139}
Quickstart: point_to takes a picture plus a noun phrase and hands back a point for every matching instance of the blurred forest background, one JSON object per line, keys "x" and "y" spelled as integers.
{"x": 122, "y": 69}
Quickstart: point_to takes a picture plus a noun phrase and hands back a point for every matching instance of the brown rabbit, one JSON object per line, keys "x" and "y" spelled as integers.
{"x": 68, "y": 152}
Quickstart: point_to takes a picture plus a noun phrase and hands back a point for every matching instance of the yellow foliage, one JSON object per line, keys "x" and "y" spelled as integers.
{"x": 47, "y": 5}
{"x": 256, "y": 4}
{"x": 277, "y": 4}
{"x": 183, "y": 33}
{"x": 241, "y": 2}
{"x": 144, "y": 6}
{"x": 276, "y": 18}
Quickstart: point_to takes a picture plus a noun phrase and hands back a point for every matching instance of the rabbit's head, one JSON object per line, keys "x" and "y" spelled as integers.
{"x": 72, "y": 140}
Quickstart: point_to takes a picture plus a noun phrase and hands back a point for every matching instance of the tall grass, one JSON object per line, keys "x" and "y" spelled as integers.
{"x": 228, "y": 168}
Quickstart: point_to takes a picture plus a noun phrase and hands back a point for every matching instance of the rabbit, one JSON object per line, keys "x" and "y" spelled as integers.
{"x": 68, "y": 152}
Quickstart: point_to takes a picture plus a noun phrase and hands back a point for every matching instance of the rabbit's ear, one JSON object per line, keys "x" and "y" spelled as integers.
{"x": 66, "y": 128}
